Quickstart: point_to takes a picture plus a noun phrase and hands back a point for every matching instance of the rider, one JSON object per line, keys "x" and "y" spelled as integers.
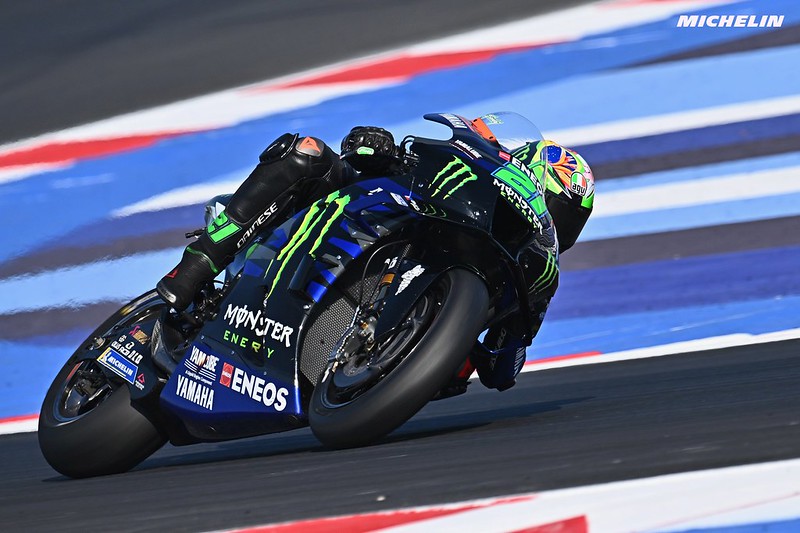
{"x": 295, "y": 171}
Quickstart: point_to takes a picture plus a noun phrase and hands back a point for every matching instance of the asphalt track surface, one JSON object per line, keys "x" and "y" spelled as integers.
{"x": 68, "y": 62}
{"x": 557, "y": 428}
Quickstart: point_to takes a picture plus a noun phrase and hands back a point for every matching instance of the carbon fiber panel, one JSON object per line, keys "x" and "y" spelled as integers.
{"x": 335, "y": 313}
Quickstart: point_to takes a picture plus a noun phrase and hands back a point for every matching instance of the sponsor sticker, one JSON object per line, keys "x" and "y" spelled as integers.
{"x": 454, "y": 120}
{"x": 118, "y": 364}
{"x": 195, "y": 392}
{"x": 399, "y": 199}
{"x": 413, "y": 203}
{"x": 258, "y": 323}
{"x": 257, "y": 224}
{"x": 227, "y": 374}
{"x": 139, "y": 335}
{"x": 405, "y": 279}
{"x": 254, "y": 387}
{"x": 201, "y": 366}
{"x": 578, "y": 184}
{"x": 469, "y": 150}
{"x": 452, "y": 177}
{"x": 245, "y": 342}
{"x": 522, "y": 189}
{"x": 127, "y": 350}
{"x": 518, "y": 201}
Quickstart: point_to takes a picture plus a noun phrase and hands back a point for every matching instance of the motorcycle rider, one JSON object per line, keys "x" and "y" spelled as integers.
{"x": 295, "y": 171}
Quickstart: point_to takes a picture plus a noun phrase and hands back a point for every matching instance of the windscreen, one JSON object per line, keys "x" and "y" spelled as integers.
{"x": 512, "y": 130}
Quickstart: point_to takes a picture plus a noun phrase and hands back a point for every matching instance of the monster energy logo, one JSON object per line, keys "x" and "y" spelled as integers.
{"x": 549, "y": 274}
{"x": 320, "y": 215}
{"x": 523, "y": 153}
{"x": 446, "y": 177}
{"x": 221, "y": 228}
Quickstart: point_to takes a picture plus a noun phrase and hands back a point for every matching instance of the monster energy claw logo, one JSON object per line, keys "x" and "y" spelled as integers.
{"x": 548, "y": 276}
{"x": 327, "y": 210}
{"x": 449, "y": 176}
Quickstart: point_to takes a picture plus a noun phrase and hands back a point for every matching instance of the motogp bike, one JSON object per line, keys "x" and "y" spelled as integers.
{"x": 348, "y": 317}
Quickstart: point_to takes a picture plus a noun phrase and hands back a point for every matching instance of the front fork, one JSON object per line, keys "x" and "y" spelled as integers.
{"x": 360, "y": 337}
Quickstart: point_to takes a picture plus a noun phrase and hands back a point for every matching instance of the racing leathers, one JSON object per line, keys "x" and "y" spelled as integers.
{"x": 569, "y": 195}
{"x": 295, "y": 171}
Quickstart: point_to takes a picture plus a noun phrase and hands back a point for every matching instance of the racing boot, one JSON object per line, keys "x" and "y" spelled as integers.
{"x": 179, "y": 286}
{"x": 201, "y": 262}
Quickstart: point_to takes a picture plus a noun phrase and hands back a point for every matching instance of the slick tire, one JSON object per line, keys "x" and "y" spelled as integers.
{"x": 424, "y": 371}
{"x": 111, "y": 438}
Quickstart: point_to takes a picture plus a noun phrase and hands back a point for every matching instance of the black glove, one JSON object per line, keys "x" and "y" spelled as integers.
{"x": 371, "y": 151}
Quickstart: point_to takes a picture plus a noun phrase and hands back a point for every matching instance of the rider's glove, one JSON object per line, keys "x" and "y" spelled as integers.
{"x": 371, "y": 151}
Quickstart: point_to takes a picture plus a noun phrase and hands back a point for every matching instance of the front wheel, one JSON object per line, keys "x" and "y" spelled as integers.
{"x": 354, "y": 404}
{"x": 87, "y": 425}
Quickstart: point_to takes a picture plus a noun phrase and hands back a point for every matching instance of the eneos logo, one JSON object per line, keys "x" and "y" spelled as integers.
{"x": 227, "y": 374}
{"x": 254, "y": 387}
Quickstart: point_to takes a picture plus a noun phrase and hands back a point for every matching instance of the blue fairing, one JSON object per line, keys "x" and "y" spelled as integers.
{"x": 243, "y": 366}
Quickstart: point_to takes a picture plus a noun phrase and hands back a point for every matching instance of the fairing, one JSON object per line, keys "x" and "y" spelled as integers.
{"x": 468, "y": 203}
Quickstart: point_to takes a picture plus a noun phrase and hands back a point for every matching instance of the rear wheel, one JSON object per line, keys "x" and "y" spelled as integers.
{"x": 87, "y": 425}
{"x": 370, "y": 395}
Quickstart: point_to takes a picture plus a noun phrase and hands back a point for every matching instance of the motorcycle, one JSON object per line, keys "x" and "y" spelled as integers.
{"x": 348, "y": 317}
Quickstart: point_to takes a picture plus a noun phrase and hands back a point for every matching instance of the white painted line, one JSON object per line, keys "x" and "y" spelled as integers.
{"x": 683, "y": 347}
{"x": 16, "y": 173}
{"x": 772, "y": 182}
{"x": 563, "y": 25}
{"x": 771, "y": 511}
{"x": 732, "y": 496}
{"x": 671, "y": 122}
{"x": 19, "y": 426}
{"x": 66, "y": 287}
{"x": 686, "y": 347}
{"x": 235, "y": 105}
{"x": 634, "y": 200}
{"x": 191, "y": 195}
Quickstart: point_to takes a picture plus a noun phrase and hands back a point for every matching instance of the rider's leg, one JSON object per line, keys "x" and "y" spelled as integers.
{"x": 292, "y": 172}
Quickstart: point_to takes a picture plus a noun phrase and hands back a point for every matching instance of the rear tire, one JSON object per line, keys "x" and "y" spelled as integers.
{"x": 90, "y": 428}
{"x": 421, "y": 373}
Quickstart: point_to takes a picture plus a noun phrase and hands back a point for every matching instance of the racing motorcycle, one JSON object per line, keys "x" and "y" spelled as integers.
{"x": 348, "y": 317}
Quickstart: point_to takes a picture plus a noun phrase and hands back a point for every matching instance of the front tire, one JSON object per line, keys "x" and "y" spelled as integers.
{"x": 87, "y": 425}
{"x": 340, "y": 420}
